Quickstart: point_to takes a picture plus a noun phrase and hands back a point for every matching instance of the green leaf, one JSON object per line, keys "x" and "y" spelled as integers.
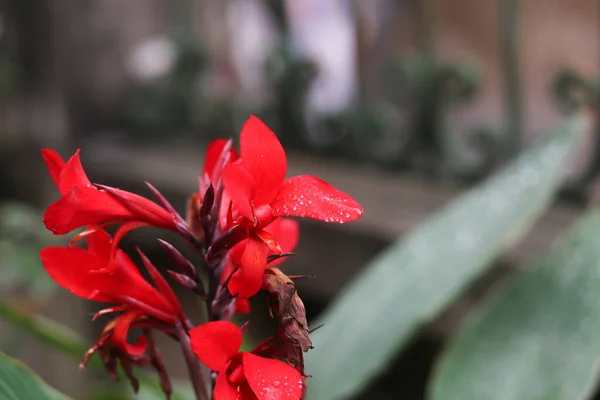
{"x": 541, "y": 338}
{"x": 18, "y": 382}
{"x": 412, "y": 281}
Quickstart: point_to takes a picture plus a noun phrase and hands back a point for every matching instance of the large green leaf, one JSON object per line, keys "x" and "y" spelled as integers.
{"x": 541, "y": 338}
{"x": 17, "y": 382}
{"x": 413, "y": 280}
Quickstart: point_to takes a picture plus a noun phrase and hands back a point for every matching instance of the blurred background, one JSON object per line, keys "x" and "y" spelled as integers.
{"x": 401, "y": 103}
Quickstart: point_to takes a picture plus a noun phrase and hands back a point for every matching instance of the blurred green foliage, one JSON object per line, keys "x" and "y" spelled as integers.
{"x": 22, "y": 235}
{"x": 539, "y": 338}
{"x": 17, "y": 382}
{"x": 414, "y": 280}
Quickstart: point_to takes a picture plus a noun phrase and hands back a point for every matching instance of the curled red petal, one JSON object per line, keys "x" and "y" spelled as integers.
{"x": 247, "y": 281}
{"x": 123, "y": 230}
{"x": 264, "y": 158}
{"x": 119, "y": 336}
{"x": 240, "y": 187}
{"x": 99, "y": 242}
{"x": 272, "y": 379}
{"x": 54, "y": 163}
{"x": 89, "y": 231}
{"x": 311, "y": 197}
{"x": 73, "y": 175}
{"x": 215, "y": 343}
{"x": 83, "y": 206}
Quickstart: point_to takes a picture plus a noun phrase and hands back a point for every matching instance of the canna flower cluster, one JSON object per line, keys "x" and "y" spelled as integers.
{"x": 238, "y": 223}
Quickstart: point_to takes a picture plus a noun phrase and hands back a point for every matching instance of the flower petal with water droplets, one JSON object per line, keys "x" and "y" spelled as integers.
{"x": 311, "y": 197}
{"x": 272, "y": 379}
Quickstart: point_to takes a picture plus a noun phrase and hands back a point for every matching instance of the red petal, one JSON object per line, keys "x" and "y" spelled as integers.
{"x": 99, "y": 242}
{"x": 142, "y": 209}
{"x": 240, "y": 187}
{"x": 307, "y": 196}
{"x": 229, "y": 217}
{"x": 69, "y": 267}
{"x": 123, "y": 230}
{"x": 54, "y": 163}
{"x": 223, "y": 390}
{"x": 215, "y": 343}
{"x": 161, "y": 284}
{"x": 242, "y": 306}
{"x": 272, "y": 379}
{"x": 88, "y": 231}
{"x": 269, "y": 240}
{"x": 119, "y": 336}
{"x": 286, "y": 231}
{"x": 227, "y": 271}
{"x": 125, "y": 281}
{"x": 214, "y": 154}
{"x": 246, "y": 392}
{"x": 86, "y": 274}
{"x": 247, "y": 281}
{"x": 83, "y": 206}
{"x": 73, "y": 175}
{"x": 218, "y": 154}
{"x": 264, "y": 158}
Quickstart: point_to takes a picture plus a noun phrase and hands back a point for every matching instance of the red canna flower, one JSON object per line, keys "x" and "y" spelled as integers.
{"x": 242, "y": 375}
{"x": 94, "y": 275}
{"x": 246, "y": 282}
{"x": 257, "y": 186}
{"x": 83, "y": 203}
